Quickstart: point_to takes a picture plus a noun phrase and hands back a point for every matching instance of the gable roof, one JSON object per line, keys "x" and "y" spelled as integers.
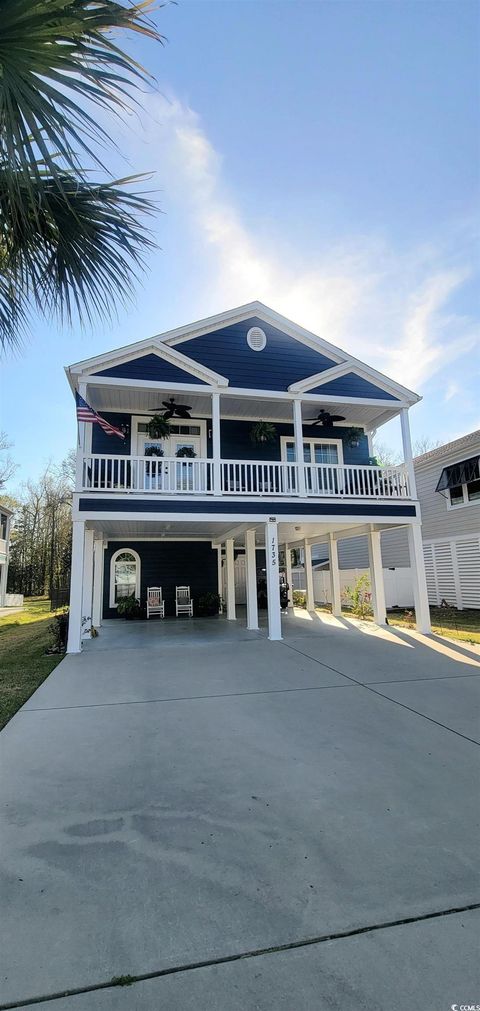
{"x": 317, "y": 355}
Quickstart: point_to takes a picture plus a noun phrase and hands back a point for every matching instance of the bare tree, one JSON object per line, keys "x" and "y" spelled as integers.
{"x": 7, "y": 464}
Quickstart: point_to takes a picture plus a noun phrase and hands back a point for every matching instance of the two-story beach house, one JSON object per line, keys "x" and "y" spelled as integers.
{"x": 267, "y": 447}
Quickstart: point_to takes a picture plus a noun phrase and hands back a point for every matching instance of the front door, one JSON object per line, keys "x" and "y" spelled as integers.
{"x": 162, "y": 473}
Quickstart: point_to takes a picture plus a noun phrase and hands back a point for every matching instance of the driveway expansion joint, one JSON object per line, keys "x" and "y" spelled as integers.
{"x": 369, "y": 687}
{"x": 121, "y": 981}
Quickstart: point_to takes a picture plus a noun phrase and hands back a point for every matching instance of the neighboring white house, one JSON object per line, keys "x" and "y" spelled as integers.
{"x": 174, "y": 507}
{"x": 5, "y": 522}
{"x": 448, "y": 488}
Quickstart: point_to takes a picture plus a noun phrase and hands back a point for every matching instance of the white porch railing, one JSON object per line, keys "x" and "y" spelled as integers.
{"x": 148, "y": 474}
{"x": 182, "y": 476}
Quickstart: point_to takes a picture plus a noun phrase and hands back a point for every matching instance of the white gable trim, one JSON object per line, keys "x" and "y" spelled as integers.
{"x": 165, "y": 353}
{"x": 329, "y": 375}
{"x": 262, "y": 312}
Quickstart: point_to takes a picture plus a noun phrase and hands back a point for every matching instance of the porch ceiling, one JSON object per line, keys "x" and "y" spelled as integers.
{"x": 291, "y": 533}
{"x": 132, "y": 400}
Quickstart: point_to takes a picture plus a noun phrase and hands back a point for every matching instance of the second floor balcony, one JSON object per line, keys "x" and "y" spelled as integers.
{"x": 251, "y": 478}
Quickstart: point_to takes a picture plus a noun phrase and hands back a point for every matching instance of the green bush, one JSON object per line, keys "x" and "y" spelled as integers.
{"x": 358, "y": 597}
{"x": 299, "y": 598}
{"x": 129, "y": 607}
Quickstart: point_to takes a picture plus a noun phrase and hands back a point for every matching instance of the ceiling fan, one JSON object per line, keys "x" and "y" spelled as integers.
{"x": 325, "y": 418}
{"x": 172, "y": 410}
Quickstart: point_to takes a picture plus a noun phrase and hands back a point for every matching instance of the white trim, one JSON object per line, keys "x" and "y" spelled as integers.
{"x": 338, "y": 371}
{"x": 328, "y": 442}
{"x": 163, "y": 352}
{"x": 217, "y": 322}
{"x": 142, "y": 419}
{"x": 242, "y": 391}
{"x": 112, "y": 602}
{"x": 466, "y": 501}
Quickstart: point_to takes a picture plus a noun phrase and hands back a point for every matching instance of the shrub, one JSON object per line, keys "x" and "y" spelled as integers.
{"x": 299, "y": 598}
{"x": 59, "y": 632}
{"x": 359, "y": 597}
{"x": 129, "y": 607}
{"x": 208, "y": 604}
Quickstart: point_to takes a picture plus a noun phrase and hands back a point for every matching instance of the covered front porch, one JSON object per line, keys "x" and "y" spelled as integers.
{"x": 202, "y": 553}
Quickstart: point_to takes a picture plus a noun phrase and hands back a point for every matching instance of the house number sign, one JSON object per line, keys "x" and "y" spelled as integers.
{"x": 273, "y": 546}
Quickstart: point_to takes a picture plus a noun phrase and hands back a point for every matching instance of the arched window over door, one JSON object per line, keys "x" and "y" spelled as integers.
{"x": 124, "y": 575}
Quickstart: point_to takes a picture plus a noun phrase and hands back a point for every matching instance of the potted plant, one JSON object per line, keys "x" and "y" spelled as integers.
{"x": 129, "y": 607}
{"x": 208, "y": 604}
{"x": 351, "y": 436}
{"x": 158, "y": 427}
{"x": 154, "y": 451}
{"x": 263, "y": 431}
{"x": 187, "y": 452}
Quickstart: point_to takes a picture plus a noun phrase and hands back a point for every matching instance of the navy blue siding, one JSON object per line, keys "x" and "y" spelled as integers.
{"x": 151, "y": 367}
{"x": 259, "y": 508}
{"x": 283, "y": 361}
{"x": 352, "y": 385}
{"x": 111, "y": 444}
{"x": 167, "y": 564}
{"x": 236, "y": 444}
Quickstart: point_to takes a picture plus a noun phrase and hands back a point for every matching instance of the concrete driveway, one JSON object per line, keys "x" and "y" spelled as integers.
{"x": 246, "y": 824}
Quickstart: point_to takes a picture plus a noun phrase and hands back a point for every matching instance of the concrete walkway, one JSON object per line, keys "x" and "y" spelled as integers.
{"x": 297, "y": 817}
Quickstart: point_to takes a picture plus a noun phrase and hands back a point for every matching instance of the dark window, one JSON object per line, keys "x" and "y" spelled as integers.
{"x": 473, "y": 491}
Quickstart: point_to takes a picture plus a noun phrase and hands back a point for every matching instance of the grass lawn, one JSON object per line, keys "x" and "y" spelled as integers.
{"x": 461, "y": 625}
{"x": 24, "y": 637}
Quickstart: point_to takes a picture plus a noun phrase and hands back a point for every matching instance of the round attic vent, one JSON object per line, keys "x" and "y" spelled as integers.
{"x": 256, "y": 338}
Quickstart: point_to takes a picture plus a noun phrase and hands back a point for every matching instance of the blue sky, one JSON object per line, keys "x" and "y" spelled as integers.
{"x": 322, "y": 157}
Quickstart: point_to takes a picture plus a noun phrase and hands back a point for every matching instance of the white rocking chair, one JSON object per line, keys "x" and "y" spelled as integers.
{"x": 155, "y": 604}
{"x": 183, "y": 601}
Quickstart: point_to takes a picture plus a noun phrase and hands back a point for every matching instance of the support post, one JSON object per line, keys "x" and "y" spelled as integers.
{"x": 407, "y": 451}
{"x": 417, "y": 563}
{"x": 273, "y": 580}
{"x": 74, "y": 644}
{"x": 220, "y": 577}
{"x": 334, "y": 576}
{"x": 288, "y": 573}
{"x": 376, "y": 577}
{"x": 97, "y": 608}
{"x": 216, "y": 445}
{"x": 299, "y": 457}
{"x": 251, "y": 564}
{"x": 307, "y": 554}
{"x": 87, "y": 597}
{"x": 230, "y": 563}
{"x": 81, "y": 445}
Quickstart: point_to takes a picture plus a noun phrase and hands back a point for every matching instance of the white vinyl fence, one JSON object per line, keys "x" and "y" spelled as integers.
{"x": 398, "y": 584}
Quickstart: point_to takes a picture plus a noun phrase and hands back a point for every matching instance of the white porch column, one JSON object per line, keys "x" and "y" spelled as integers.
{"x": 216, "y": 444}
{"x": 87, "y": 597}
{"x": 288, "y": 573}
{"x": 97, "y": 609}
{"x": 376, "y": 577}
{"x": 230, "y": 563}
{"x": 307, "y": 554}
{"x": 220, "y": 577}
{"x": 81, "y": 446}
{"x": 251, "y": 564}
{"x": 407, "y": 451}
{"x": 334, "y": 576}
{"x": 298, "y": 434}
{"x": 76, "y": 588}
{"x": 417, "y": 562}
{"x": 273, "y": 580}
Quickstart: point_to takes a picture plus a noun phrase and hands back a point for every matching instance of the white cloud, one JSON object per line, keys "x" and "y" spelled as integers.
{"x": 384, "y": 307}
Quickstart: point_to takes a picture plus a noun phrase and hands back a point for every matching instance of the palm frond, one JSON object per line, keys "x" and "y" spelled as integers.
{"x": 77, "y": 253}
{"x": 58, "y": 62}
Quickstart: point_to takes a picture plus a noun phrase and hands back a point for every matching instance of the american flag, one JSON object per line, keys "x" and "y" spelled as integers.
{"x": 87, "y": 414}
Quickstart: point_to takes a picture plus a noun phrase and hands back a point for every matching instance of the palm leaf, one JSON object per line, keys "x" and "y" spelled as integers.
{"x": 58, "y": 62}
{"x": 76, "y": 254}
